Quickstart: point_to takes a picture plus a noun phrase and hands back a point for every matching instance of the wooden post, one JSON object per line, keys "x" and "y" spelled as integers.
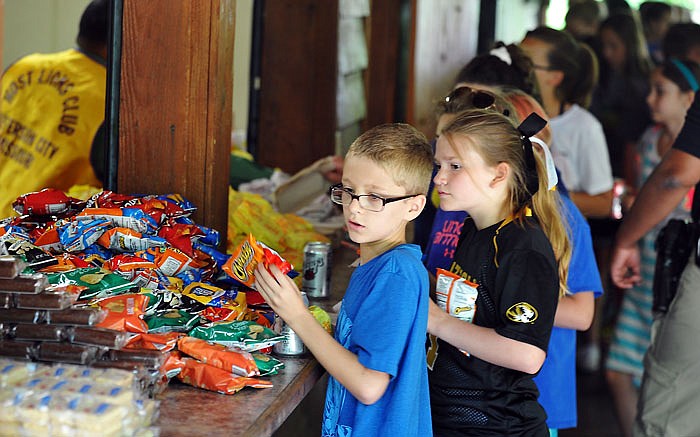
{"x": 175, "y": 102}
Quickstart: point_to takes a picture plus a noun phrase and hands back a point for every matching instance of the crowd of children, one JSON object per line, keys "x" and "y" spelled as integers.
{"x": 512, "y": 267}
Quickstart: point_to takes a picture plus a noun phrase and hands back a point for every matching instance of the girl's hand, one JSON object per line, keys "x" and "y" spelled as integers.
{"x": 280, "y": 292}
{"x": 435, "y": 316}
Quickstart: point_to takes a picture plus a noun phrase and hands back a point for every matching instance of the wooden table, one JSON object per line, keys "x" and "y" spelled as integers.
{"x": 189, "y": 411}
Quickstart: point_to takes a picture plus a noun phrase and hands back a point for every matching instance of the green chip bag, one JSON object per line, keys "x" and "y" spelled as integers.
{"x": 171, "y": 321}
{"x": 244, "y": 334}
{"x": 99, "y": 282}
{"x": 267, "y": 364}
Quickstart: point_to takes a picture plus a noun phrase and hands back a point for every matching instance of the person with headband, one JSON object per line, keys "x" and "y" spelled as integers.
{"x": 496, "y": 302}
{"x": 673, "y": 87}
{"x": 503, "y": 65}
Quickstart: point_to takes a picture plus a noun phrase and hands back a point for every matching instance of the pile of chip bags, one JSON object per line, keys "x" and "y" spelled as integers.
{"x": 155, "y": 274}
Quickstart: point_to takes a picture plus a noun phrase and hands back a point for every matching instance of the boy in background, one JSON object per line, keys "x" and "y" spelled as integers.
{"x": 377, "y": 361}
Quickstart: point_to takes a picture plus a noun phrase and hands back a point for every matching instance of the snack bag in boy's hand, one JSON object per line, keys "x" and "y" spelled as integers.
{"x": 241, "y": 265}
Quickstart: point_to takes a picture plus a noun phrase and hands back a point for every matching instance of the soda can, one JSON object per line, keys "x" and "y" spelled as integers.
{"x": 316, "y": 280}
{"x": 291, "y": 344}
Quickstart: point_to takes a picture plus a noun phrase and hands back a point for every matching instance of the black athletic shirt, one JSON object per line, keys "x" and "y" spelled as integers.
{"x": 470, "y": 396}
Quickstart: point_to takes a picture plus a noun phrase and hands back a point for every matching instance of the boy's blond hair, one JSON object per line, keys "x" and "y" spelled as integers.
{"x": 402, "y": 151}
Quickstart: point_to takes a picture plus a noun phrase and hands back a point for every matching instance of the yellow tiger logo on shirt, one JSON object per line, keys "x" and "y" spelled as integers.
{"x": 522, "y": 312}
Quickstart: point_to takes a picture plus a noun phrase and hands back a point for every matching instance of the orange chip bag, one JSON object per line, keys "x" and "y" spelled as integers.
{"x": 211, "y": 378}
{"x": 173, "y": 364}
{"x": 241, "y": 265}
{"x": 238, "y": 362}
{"x": 163, "y": 342}
{"x": 125, "y": 312}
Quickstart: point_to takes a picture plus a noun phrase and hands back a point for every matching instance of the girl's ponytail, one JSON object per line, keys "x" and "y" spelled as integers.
{"x": 586, "y": 76}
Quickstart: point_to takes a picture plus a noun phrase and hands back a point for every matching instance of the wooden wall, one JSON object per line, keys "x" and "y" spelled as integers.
{"x": 444, "y": 39}
{"x": 298, "y": 83}
{"x": 175, "y": 103}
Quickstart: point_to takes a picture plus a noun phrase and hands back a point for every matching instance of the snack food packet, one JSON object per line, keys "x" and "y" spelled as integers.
{"x": 66, "y": 262}
{"x": 128, "y": 240}
{"x": 185, "y": 206}
{"x": 238, "y": 362}
{"x": 217, "y": 298}
{"x": 246, "y": 335}
{"x": 171, "y": 321}
{"x": 125, "y": 312}
{"x": 267, "y": 364}
{"x": 170, "y": 261}
{"x": 98, "y": 282}
{"x": 48, "y": 201}
{"x": 242, "y": 263}
{"x": 131, "y": 218}
{"x": 163, "y": 342}
{"x": 108, "y": 199}
{"x": 127, "y": 263}
{"x": 211, "y": 378}
{"x": 263, "y": 317}
{"x": 173, "y": 365}
{"x": 18, "y": 244}
{"x": 322, "y": 318}
{"x": 49, "y": 240}
{"x": 181, "y": 236}
{"x": 455, "y": 295}
{"x": 76, "y": 236}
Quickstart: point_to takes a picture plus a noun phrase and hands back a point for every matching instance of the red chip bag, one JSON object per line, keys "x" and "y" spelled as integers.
{"x": 48, "y": 201}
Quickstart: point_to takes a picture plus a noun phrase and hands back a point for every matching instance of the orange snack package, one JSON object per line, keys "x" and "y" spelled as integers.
{"x": 173, "y": 365}
{"x": 238, "y": 362}
{"x": 241, "y": 265}
{"x": 125, "y": 312}
{"x": 211, "y": 378}
{"x": 163, "y": 342}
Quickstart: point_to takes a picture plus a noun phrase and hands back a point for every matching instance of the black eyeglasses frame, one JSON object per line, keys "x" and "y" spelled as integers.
{"x": 357, "y": 197}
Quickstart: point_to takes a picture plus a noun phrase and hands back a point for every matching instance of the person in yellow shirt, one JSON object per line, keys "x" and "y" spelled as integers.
{"x": 51, "y": 109}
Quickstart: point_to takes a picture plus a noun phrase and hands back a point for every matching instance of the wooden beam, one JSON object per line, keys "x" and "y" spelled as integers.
{"x": 175, "y": 103}
{"x": 383, "y": 35}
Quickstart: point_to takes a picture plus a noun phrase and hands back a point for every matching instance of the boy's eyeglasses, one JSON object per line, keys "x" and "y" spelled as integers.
{"x": 371, "y": 202}
{"x": 466, "y": 97}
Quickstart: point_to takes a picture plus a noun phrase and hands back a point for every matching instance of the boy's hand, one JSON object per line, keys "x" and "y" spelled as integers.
{"x": 279, "y": 291}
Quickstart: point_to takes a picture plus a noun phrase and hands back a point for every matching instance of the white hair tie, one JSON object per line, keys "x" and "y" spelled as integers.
{"x": 552, "y": 178}
{"x": 502, "y": 54}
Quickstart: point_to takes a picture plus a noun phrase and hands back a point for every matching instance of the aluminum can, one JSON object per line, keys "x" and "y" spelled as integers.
{"x": 291, "y": 344}
{"x": 316, "y": 280}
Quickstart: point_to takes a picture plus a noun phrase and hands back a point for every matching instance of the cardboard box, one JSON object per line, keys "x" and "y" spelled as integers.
{"x": 304, "y": 191}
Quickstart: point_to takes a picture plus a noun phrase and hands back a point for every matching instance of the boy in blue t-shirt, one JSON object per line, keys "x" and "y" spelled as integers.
{"x": 377, "y": 362}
